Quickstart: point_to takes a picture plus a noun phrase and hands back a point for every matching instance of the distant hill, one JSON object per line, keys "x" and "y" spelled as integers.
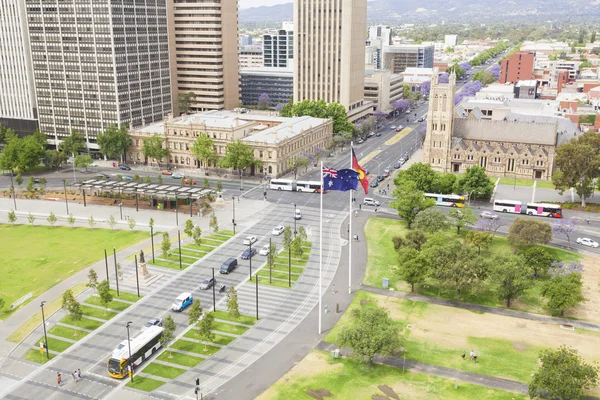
{"x": 436, "y": 11}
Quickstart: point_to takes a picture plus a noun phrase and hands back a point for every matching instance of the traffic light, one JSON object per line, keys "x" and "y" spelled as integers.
{"x": 197, "y": 381}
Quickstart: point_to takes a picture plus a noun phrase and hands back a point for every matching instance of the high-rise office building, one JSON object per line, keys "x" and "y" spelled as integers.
{"x": 18, "y": 109}
{"x": 278, "y": 47}
{"x": 399, "y": 57}
{"x": 379, "y": 36}
{"x": 99, "y": 63}
{"x": 245, "y": 40}
{"x": 329, "y": 40}
{"x": 203, "y": 40}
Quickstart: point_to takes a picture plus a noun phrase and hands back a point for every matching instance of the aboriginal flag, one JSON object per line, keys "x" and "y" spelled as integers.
{"x": 362, "y": 176}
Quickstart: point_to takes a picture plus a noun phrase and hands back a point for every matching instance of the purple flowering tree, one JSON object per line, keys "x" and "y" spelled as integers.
{"x": 566, "y": 228}
{"x": 489, "y": 225}
{"x": 279, "y": 106}
{"x": 465, "y": 66}
{"x": 380, "y": 116}
{"x": 444, "y": 77}
{"x": 264, "y": 101}
{"x": 425, "y": 88}
{"x": 559, "y": 268}
{"x": 495, "y": 70}
{"x": 468, "y": 90}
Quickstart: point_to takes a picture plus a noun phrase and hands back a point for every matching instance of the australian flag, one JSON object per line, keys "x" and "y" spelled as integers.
{"x": 343, "y": 179}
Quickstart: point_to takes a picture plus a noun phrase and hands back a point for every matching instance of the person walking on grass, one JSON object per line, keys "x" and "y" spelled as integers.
{"x": 471, "y": 355}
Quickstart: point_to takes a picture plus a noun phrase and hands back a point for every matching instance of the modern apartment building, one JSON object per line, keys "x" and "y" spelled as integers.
{"x": 18, "y": 109}
{"x": 517, "y": 67}
{"x": 203, "y": 41}
{"x": 398, "y": 58}
{"x": 277, "y": 83}
{"x": 278, "y": 46}
{"x": 329, "y": 40}
{"x": 99, "y": 63}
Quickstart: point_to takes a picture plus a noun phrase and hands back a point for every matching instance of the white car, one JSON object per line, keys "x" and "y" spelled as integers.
{"x": 587, "y": 242}
{"x": 278, "y": 230}
{"x": 264, "y": 251}
{"x": 249, "y": 240}
{"x": 488, "y": 215}
{"x": 392, "y": 126}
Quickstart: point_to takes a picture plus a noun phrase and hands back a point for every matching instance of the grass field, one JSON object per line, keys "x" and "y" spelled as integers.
{"x": 145, "y": 384}
{"x": 526, "y": 182}
{"x": 348, "y": 379}
{"x": 113, "y": 305}
{"x": 85, "y": 323}
{"x": 243, "y": 319}
{"x": 36, "y": 357}
{"x": 55, "y": 345}
{"x": 97, "y": 312}
{"x": 164, "y": 371}
{"x": 193, "y": 347}
{"x": 34, "y": 258}
{"x": 229, "y": 328}
{"x": 381, "y": 252}
{"x": 68, "y": 333}
{"x": 181, "y": 359}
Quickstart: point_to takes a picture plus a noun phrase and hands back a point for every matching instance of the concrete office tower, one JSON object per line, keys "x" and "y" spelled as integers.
{"x": 398, "y": 58}
{"x": 329, "y": 64}
{"x": 379, "y": 36}
{"x": 18, "y": 109}
{"x": 99, "y": 63}
{"x": 203, "y": 41}
{"x": 278, "y": 47}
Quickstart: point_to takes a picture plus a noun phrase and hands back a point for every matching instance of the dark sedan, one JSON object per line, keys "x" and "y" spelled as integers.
{"x": 249, "y": 252}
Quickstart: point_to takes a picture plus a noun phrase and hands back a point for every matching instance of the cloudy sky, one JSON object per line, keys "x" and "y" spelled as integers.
{"x": 257, "y": 3}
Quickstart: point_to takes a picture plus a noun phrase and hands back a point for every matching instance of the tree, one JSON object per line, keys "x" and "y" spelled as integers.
{"x": 91, "y": 222}
{"x": 72, "y": 144}
{"x": 593, "y": 37}
{"x": 71, "y": 220}
{"x": 52, "y": 219}
{"x": 297, "y": 246}
{"x": 563, "y": 374}
{"x": 413, "y": 239}
{"x": 2, "y": 302}
{"x": 92, "y": 279}
{"x": 425, "y": 87}
{"x": 484, "y": 77}
{"x": 271, "y": 256}
{"x": 319, "y": 109}
{"x": 12, "y": 217}
{"x": 205, "y": 328}
{"x": 510, "y": 278}
{"x": 114, "y": 142}
{"x": 219, "y": 186}
{"x": 296, "y": 163}
{"x": 205, "y": 183}
{"x": 105, "y": 295}
{"x": 189, "y": 227}
{"x": 410, "y": 201}
{"x": 203, "y": 149}
{"x": 165, "y": 245}
{"x": 563, "y": 292}
{"x": 430, "y": 220}
{"x": 197, "y": 235}
{"x": 232, "y": 305}
{"x": 577, "y": 165}
{"x": 443, "y": 183}
{"x": 153, "y": 148}
{"x": 119, "y": 272}
{"x": 264, "y": 101}
{"x": 151, "y": 223}
{"x": 67, "y": 300}
{"x": 185, "y": 100}
{"x": 83, "y": 161}
{"x": 302, "y": 234}
{"x": 30, "y": 184}
{"x": 168, "y": 332}
{"x": 194, "y": 314}
{"x": 566, "y": 228}
{"x": 462, "y": 217}
{"x": 54, "y": 158}
{"x": 131, "y": 223}
{"x": 371, "y": 331}
{"x": 239, "y": 156}
{"x": 475, "y": 182}
{"x": 213, "y": 224}
{"x": 536, "y": 258}
{"x": 19, "y": 179}
{"x": 31, "y": 218}
{"x": 111, "y": 222}
{"x": 422, "y": 175}
{"x": 75, "y": 314}
{"x": 479, "y": 239}
{"x": 528, "y": 232}
{"x": 413, "y": 266}
{"x": 287, "y": 238}
{"x": 21, "y": 154}
{"x": 489, "y": 225}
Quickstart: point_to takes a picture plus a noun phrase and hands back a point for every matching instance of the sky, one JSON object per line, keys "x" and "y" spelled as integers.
{"x": 258, "y": 3}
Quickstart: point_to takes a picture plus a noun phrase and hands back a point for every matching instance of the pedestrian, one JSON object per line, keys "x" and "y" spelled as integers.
{"x": 471, "y": 355}
{"x": 74, "y": 377}
{"x": 464, "y": 355}
{"x": 475, "y": 359}
{"x": 58, "y": 379}
{"x": 588, "y": 221}
{"x": 78, "y": 373}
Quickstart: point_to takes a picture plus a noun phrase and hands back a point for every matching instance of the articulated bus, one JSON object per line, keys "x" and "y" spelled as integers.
{"x": 536, "y": 209}
{"x": 508, "y": 206}
{"x": 142, "y": 346}
{"x": 295, "y": 186}
{"x": 447, "y": 200}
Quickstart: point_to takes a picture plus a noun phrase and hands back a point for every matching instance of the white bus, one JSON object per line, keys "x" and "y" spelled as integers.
{"x": 308, "y": 186}
{"x": 142, "y": 346}
{"x": 544, "y": 210}
{"x": 447, "y": 200}
{"x": 508, "y": 206}
{"x": 281, "y": 184}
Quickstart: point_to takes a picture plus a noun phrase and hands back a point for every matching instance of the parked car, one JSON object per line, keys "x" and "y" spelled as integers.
{"x": 249, "y": 252}
{"x": 397, "y": 164}
{"x": 152, "y": 322}
{"x": 177, "y": 175}
{"x": 124, "y": 168}
{"x": 488, "y": 215}
{"x": 207, "y": 283}
{"x": 399, "y": 129}
{"x": 360, "y": 141}
{"x": 392, "y": 126}
{"x": 166, "y": 172}
{"x": 249, "y": 240}
{"x": 367, "y": 201}
{"x": 374, "y": 183}
{"x": 189, "y": 181}
{"x": 378, "y": 134}
{"x": 421, "y": 119}
{"x": 182, "y": 301}
{"x": 370, "y": 134}
{"x": 102, "y": 176}
{"x": 278, "y": 230}
{"x": 264, "y": 251}
{"x": 587, "y": 242}
{"x": 127, "y": 177}
{"x": 228, "y": 266}
{"x": 386, "y": 172}
{"x": 379, "y": 178}
{"x": 297, "y": 214}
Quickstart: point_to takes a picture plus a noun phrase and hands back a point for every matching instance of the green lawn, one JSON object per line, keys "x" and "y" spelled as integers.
{"x": 283, "y": 260}
{"x": 282, "y": 284}
{"x": 243, "y": 319}
{"x": 133, "y": 297}
{"x": 526, "y": 182}
{"x": 229, "y": 328}
{"x": 175, "y": 257}
{"x": 168, "y": 264}
{"x": 68, "y": 333}
{"x": 381, "y": 252}
{"x": 55, "y": 345}
{"x": 179, "y": 358}
{"x": 164, "y": 371}
{"x": 97, "y": 313}
{"x": 43, "y": 262}
{"x": 284, "y": 268}
{"x": 275, "y": 274}
{"x": 35, "y": 356}
{"x": 193, "y": 347}
{"x": 348, "y": 379}
{"x": 145, "y": 384}
{"x": 115, "y": 304}
{"x": 203, "y": 247}
{"x": 218, "y": 339}
{"x": 191, "y": 253}
{"x": 85, "y": 323}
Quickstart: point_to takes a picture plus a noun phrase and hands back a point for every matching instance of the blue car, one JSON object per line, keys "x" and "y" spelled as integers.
{"x": 127, "y": 178}
{"x": 182, "y": 301}
{"x": 248, "y": 253}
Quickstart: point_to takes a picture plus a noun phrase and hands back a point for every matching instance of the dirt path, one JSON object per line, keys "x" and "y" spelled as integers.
{"x": 590, "y": 309}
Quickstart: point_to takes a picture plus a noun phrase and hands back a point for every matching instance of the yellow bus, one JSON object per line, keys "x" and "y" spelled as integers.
{"x": 143, "y": 346}
{"x": 447, "y": 200}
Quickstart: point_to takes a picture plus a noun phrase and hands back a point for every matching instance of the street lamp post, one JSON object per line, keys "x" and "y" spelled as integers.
{"x": 137, "y": 279}
{"x": 257, "y": 297}
{"x": 116, "y": 270}
{"x": 152, "y": 239}
{"x": 129, "y": 359}
{"x": 289, "y": 266}
{"x": 12, "y": 186}
{"x": 214, "y": 294}
{"x": 66, "y": 201}
{"x": 250, "y": 259}
{"x": 179, "y": 241}
{"x": 233, "y": 219}
{"x": 45, "y": 335}
{"x": 295, "y": 230}
{"x": 106, "y": 262}
{"x": 270, "y": 264}
{"x": 176, "y": 212}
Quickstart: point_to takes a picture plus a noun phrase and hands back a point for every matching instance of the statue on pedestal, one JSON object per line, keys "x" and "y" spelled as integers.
{"x": 142, "y": 260}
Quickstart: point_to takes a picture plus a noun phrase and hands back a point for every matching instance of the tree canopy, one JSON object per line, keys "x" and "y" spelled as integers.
{"x": 22, "y": 154}
{"x": 239, "y": 156}
{"x": 73, "y": 143}
{"x": 204, "y": 150}
{"x": 410, "y": 201}
{"x": 320, "y": 109}
{"x": 153, "y": 148}
{"x": 509, "y": 276}
{"x": 525, "y": 232}
{"x": 114, "y": 142}
{"x": 476, "y": 183}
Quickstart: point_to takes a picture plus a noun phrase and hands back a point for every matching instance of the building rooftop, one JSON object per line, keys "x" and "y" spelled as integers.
{"x": 289, "y": 128}
{"x": 528, "y": 82}
{"x": 418, "y": 71}
{"x": 268, "y": 71}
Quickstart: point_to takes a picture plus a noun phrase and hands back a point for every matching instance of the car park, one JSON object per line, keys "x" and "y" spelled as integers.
{"x": 228, "y": 266}
{"x": 124, "y": 168}
{"x": 152, "y": 322}
{"x": 177, "y": 175}
{"x": 367, "y": 201}
{"x": 182, "y": 301}
{"x": 278, "y": 230}
{"x": 249, "y": 240}
{"x": 587, "y": 242}
{"x": 264, "y": 251}
{"x": 488, "y": 215}
{"x": 249, "y": 252}
{"x": 207, "y": 283}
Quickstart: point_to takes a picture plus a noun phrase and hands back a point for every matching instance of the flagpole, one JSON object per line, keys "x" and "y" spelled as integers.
{"x": 321, "y": 248}
{"x": 350, "y": 232}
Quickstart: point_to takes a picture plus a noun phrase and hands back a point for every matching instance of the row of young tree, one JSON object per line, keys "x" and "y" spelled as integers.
{"x": 52, "y": 219}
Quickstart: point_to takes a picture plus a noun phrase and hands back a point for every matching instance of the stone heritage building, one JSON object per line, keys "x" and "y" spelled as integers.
{"x": 276, "y": 141}
{"x": 456, "y": 140}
